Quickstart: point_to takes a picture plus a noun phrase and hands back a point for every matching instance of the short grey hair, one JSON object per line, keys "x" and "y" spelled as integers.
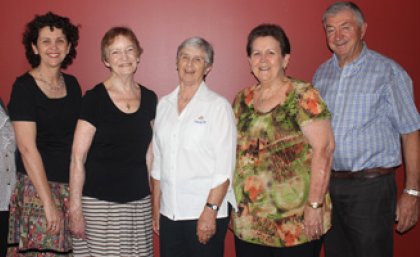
{"x": 199, "y": 43}
{"x": 344, "y": 6}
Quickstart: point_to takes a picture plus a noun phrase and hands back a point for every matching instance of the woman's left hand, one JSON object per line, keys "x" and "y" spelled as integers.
{"x": 313, "y": 224}
{"x": 206, "y": 225}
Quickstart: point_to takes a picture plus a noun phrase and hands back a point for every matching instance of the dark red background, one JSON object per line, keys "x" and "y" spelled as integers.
{"x": 393, "y": 29}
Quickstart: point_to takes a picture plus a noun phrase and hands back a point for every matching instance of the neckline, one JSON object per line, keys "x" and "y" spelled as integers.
{"x": 45, "y": 95}
{"x": 116, "y": 107}
{"x": 279, "y": 105}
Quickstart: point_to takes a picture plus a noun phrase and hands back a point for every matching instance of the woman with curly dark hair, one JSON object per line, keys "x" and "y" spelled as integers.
{"x": 43, "y": 108}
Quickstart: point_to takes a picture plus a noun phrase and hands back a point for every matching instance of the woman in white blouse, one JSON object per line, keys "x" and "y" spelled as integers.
{"x": 7, "y": 174}
{"x": 194, "y": 155}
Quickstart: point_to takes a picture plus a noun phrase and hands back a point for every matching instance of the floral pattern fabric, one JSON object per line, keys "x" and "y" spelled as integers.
{"x": 27, "y": 228}
{"x": 273, "y": 167}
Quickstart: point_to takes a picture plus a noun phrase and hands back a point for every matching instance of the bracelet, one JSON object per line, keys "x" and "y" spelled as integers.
{"x": 314, "y": 205}
{"x": 411, "y": 192}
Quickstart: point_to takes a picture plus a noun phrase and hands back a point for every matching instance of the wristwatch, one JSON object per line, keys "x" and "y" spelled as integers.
{"x": 412, "y": 192}
{"x": 214, "y": 207}
{"x": 315, "y": 205}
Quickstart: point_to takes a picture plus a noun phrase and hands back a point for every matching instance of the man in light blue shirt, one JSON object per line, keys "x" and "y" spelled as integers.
{"x": 371, "y": 100}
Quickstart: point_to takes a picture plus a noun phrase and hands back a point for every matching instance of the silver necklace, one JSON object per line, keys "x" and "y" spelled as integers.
{"x": 52, "y": 87}
{"x": 127, "y": 104}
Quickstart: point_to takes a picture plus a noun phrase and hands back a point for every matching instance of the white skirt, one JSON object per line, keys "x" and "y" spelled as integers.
{"x": 114, "y": 229}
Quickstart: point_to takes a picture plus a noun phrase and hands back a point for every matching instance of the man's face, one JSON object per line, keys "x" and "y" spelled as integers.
{"x": 345, "y": 35}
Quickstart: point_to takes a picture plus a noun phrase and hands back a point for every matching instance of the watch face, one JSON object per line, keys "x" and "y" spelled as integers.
{"x": 212, "y": 206}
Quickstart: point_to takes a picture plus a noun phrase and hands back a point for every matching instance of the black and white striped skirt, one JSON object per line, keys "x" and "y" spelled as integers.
{"x": 114, "y": 229}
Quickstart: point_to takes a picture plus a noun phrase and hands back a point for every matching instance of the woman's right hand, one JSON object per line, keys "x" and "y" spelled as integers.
{"x": 313, "y": 222}
{"x": 77, "y": 223}
{"x": 54, "y": 219}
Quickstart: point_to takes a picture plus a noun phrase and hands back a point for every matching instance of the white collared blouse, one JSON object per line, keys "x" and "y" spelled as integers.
{"x": 194, "y": 151}
{"x": 7, "y": 160}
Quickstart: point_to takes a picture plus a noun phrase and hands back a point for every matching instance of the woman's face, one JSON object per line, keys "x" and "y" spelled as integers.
{"x": 51, "y": 46}
{"x": 266, "y": 60}
{"x": 122, "y": 56}
{"x": 191, "y": 65}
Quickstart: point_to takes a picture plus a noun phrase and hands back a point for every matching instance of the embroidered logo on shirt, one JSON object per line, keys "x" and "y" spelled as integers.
{"x": 200, "y": 120}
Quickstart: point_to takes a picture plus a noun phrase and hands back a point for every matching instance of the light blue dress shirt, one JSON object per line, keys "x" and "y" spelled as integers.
{"x": 371, "y": 101}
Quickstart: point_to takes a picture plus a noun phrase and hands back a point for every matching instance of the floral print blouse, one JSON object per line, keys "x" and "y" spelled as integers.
{"x": 273, "y": 167}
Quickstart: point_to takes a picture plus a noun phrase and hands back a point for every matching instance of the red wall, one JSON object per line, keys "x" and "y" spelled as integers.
{"x": 162, "y": 24}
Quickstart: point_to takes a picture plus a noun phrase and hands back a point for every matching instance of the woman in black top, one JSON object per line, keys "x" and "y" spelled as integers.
{"x": 110, "y": 212}
{"x": 43, "y": 107}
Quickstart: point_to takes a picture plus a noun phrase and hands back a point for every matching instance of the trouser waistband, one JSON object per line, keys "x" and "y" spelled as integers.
{"x": 366, "y": 173}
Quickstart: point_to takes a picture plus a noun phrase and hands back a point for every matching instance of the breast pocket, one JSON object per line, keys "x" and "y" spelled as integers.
{"x": 361, "y": 108}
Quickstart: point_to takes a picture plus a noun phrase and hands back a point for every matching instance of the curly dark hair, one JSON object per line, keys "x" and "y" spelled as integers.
{"x": 265, "y": 30}
{"x": 52, "y": 20}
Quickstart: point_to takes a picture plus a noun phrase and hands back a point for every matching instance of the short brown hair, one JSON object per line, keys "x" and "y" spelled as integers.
{"x": 112, "y": 33}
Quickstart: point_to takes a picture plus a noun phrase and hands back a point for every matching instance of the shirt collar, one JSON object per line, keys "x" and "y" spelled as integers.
{"x": 200, "y": 94}
{"x": 355, "y": 64}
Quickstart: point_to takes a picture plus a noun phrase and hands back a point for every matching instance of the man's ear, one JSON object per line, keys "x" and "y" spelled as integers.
{"x": 363, "y": 30}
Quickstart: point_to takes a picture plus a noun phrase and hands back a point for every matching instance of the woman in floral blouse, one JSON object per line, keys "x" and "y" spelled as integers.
{"x": 284, "y": 153}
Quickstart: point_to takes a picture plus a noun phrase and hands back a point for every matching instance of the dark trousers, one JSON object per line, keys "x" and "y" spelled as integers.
{"x": 179, "y": 239}
{"x": 363, "y": 217}
{"x": 245, "y": 249}
{"x": 4, "y": 228}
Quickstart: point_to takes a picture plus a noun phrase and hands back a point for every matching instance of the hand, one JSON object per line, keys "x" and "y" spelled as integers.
{"x": 77, "y": 223}
{"x": 54, "y": 219}
{"x": 407, "y": 212}
{"x": 206, "y": 225}
{"x": 313, "y": 222}
{"x": 155, "y": 221}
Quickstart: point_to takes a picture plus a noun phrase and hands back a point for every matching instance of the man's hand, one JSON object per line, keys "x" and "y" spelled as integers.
{"x": 407, "y": 212}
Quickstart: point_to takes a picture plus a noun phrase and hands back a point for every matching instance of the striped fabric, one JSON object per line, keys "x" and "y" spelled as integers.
{"x": 114, "y": 229}
{"x": 371, "y": 100}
